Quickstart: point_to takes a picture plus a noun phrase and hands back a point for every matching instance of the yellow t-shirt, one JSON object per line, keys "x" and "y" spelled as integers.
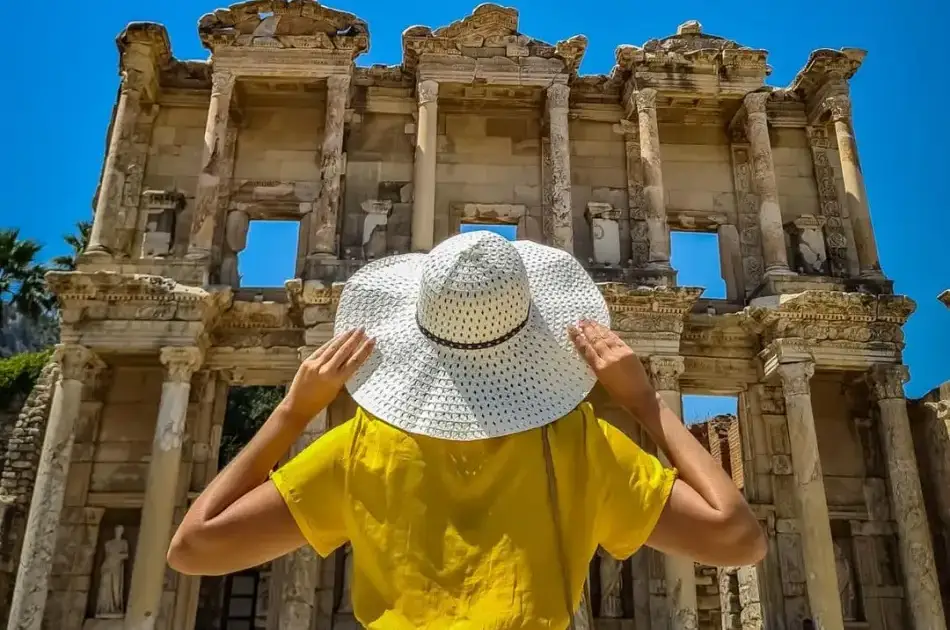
{"x": 460, "y": 534}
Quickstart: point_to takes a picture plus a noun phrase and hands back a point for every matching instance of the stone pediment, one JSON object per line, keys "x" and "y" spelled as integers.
{"x": 691, "y": 52}
{"x": 284, "y": 24}
{"x": 825, "y": 65}
{"x": 491, "y": 31}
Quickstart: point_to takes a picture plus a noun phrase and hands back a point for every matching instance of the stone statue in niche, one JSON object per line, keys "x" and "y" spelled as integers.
{"x": 611, "y": 581}
{"x": 845, "y": 584}
{"x": 110, "y": 598}
{"x": 346, "y": 603}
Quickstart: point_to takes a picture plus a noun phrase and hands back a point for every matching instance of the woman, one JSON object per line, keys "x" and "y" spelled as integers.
{"x": 474, "y": 483}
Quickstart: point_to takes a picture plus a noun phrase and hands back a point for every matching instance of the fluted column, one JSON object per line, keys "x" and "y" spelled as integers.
{"x": 680, "y": 571}
{"x": 560, "y": 223}
{"x": 161, "y": 487}
{"x": 42, "y": 524}
{"x": 907, "y": 499}
{"x": 325, "y": 221}
{"x": 654, "y": 201}
{"x": 763, "y": 173}
{"x": 423, "y": 175}
{"x": 103, "y": 236}
{"x": 855, "y": 193}
{"x": 815, "y": 526}
{"x": 204, "y": 219}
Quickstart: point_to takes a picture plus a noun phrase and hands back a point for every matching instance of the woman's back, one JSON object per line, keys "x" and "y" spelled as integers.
{"x": 462, "y": 534}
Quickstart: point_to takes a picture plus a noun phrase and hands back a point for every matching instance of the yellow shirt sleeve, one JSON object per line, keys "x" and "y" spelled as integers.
{"x": 312, "y": 486}
{"x": 634, "y": 488}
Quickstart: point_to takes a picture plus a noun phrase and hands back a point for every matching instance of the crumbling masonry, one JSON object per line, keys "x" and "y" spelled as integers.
{"x": 478, "y": 124}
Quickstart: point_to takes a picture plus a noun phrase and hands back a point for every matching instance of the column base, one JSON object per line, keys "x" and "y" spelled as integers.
{"x": 98, "y": 253}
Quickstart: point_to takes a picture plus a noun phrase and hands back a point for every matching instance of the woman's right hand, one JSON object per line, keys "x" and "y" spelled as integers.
{"x": 617, "y": 367}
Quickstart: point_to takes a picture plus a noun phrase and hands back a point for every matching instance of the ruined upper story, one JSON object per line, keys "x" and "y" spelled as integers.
{"x": 277, "y": 60}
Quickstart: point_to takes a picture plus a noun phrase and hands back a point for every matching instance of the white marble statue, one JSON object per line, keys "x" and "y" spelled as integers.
{"x": 611, "y": 581}
{"x": 845, "y": 585}
{"x": 110, "y": 598}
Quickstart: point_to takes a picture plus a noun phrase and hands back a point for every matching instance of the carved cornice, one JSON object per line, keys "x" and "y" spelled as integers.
{"x": 284, "y": 24}
{"x": 649, "y": 310}
{"x": 693, "y": 54}
{"x": 831, "y": 316}
{"x": 826, "y": 66}
{"x": 490, "y": 28}
{"x": 181, "y": 362}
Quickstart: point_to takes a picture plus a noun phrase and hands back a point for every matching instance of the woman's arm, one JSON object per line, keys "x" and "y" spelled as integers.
{"x": 706, "y": 517}
{"x": 240, "y": 520}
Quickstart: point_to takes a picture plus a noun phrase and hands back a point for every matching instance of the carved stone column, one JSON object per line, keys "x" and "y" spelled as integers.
{"x": 907, "y": 499}
{"x": 423, "y": 176}
{"x": 325, "y": 220}
{"x": 161, "y": 487}
{"x": 205, "y": 214}
{"x": 680, "y": 572}
{"x": 856, "y": 196}
{"x": 817, "y": 547}
{"x": 103, "y": 238}
{"x": 46, "y": 505}
{"x": 658, "y": 232}
{"x": 770, "y": 213}
{"x": 560, "y": 219}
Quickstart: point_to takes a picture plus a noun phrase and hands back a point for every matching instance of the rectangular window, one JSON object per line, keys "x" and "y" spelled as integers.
{"x": 507, "y": 231}
{"x": 270, "y": 257}
{"x": 695, "y": 257}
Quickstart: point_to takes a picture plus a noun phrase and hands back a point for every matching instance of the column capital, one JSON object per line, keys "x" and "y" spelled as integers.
{"x": 796, "y": 376}
{"x": 222, "y": 82}
{"x": 559, "y": 95}
{"x": 840, "y": 107}
{"x": 665, "y": 371}
{"x": 645, "y": 98}
{"x": 887, "y": 381}
{"x": 428, "y": 91}
{"x": 76, "y": 362}
{"x": 180, "y": 362}
{"x": 756, "y": 101}
{"x": 338, "y": 82}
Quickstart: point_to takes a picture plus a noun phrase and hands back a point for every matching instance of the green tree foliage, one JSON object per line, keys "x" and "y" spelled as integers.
{"x": 77, "y": 243}
{"x": 18, "y": 374}
{"x": 247, "y": 409}
{"x": 21, "y": 277}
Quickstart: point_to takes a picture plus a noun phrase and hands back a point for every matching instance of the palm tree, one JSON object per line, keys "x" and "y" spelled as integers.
{"x": 77, "y": 242}
{"x": 21, "y": 277}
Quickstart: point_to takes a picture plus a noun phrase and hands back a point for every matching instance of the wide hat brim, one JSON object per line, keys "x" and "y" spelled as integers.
{"x": 424, "y": 387}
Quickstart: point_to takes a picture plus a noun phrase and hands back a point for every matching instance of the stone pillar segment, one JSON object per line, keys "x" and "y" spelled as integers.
{"x": 763, "y": 169}
{"x": 423, "y": 184}
{"x": 161, "y": 487}
{"x": 821, "y": 579}
{"x": 907, "y": 499}
{"x": 654, "y": 201}
{"x": 204, "y": 218}
{"x": 46, "y": 506}
{"x": 561, "y": 217}
{"x": 324, "y": 223}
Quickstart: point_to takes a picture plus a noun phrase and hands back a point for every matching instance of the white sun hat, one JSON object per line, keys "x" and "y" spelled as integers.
{"x": 472, "y": 338}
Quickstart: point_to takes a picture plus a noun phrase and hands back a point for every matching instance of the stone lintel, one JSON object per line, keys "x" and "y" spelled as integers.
{"x": 254, "y": 363}
{"x": 717, "y": 374}
{"x": 300, "y": 64}
{"x": 828, "y": 355}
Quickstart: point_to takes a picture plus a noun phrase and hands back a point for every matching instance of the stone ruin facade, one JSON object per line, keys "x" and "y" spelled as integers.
{"x": 478, "y": 124}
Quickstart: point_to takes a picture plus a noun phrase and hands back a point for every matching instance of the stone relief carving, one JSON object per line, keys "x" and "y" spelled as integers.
{"x": 110, "y": 596}
{"x": 611, "y": 583}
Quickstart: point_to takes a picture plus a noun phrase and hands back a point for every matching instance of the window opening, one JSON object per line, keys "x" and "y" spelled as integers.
{"x": 270, "y": 257}
{"x": 695, "y": 256}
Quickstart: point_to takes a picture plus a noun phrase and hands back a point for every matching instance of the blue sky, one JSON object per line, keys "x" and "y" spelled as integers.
{"x": 60, "y": 82}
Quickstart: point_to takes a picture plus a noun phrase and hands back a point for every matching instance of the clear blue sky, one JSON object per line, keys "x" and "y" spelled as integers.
{"x": 60, "y": 82}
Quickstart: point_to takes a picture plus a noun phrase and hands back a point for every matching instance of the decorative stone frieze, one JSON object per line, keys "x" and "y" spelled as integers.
{"x": 836, "y": 238}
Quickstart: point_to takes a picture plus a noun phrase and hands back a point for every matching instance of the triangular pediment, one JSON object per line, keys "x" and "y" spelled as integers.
{"x": 486, "y": 21}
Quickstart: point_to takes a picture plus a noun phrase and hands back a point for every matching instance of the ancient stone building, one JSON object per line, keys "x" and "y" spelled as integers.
{"x": 478, "y": 124}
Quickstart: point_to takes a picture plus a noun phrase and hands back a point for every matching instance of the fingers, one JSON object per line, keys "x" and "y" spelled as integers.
{"x": 362, "y": 353}
{"x": 597, "y": 336}
{"x": 584, "y": 347}
{"x": 329, "y": 348}
{"x": 345, "y": 350}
